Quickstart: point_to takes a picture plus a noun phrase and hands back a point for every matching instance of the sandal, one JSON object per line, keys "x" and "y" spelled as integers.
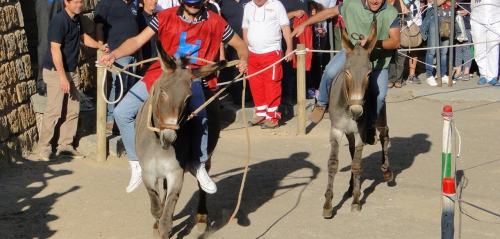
{"x": 398, "y": 85}
{"x": 390, "y": 85}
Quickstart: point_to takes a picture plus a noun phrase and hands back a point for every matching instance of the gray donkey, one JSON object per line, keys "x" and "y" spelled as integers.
{"x": 165, "y": 112}
{"x": 347, "y": 95}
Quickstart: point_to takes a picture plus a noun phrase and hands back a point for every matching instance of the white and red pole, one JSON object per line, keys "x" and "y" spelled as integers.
{"x": 447, "y": 131}
{"x": 448, "y": 209}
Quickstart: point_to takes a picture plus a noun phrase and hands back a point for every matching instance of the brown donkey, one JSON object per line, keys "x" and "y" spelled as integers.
{"x": 165, "y": 110}
{"x": 347, "y": 95}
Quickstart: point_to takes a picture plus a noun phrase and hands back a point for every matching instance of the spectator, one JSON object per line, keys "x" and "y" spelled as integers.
{"x": 338, "y": 24}
{"x": 414, "y": 16}
{"x": 485, "y": 26}
{"x": 396, "y": 65}
{"x": 45, "y": 10}
{"x": 182, "y": 31}
{"x": 357, "y": 16}
{"x": 428, "y": 30}
{"x": 263, "y": 23}
{"x": 463, "y": 53}
{"x": 232, "y": 12}
{"x": 59, "y": 73}
{"x": 115, "y": 22}
{"x": 294, "y": 8}
{"x": 319, "y": 32}
{"x": 166, "y": 4}
{"x": 144, "y": 17}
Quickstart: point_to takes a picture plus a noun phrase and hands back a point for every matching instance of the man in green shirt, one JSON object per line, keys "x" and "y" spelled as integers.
{"x": 358, "y": 16}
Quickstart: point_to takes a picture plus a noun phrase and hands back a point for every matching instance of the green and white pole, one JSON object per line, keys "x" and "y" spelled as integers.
{"x": 447, "y": 131}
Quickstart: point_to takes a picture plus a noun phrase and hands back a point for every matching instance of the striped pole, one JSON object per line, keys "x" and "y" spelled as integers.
{"x": 448, "y": 209}
{"x": 446, "y": 156}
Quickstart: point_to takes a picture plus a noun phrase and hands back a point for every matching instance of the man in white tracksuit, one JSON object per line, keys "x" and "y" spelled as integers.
{"x": 485, "y": 26}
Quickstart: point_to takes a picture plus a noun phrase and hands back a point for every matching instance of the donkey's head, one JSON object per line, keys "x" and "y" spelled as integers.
{"x": 357, "y": 68}
{"x": 170, "y": 93}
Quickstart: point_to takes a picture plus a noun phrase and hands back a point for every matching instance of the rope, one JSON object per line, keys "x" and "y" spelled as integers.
{"x": 248, "y": 154}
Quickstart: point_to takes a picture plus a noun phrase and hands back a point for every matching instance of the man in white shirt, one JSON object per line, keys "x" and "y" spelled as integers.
{"x": 164, "y": 4}
{"x": 264, "y": 21}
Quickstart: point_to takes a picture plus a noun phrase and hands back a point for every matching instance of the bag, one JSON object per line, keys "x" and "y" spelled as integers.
{"x": 444, "y": 29}
{"x": 461, "y": 32}
{"x": 410, "y": 36}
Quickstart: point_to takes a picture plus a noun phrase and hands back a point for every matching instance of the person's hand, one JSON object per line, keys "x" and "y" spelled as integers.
{"x": 320, "y": 30}
{"x": 107, "y": 59}
{"x": 104, "y": 48}
{"x": 462, "y": 13}
{"x": 299, "y": 13}
{"x": 298, "y": 30}
{"x": 242, "y": 66}
{"x": 362, "y": 42}
{"x": 64, "y": 85}
{"x": 288, "y": 51}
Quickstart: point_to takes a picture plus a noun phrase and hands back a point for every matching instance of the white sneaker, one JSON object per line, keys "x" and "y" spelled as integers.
{"x": 431, "y": 81}
{"x": 136, "y": 178}
{"x": 205, "y": 181}
{"x": 445, "y": 80}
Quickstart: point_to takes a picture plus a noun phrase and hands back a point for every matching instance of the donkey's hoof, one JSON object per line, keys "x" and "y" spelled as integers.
{"x": 202, "y": 222}
{"x": 156, "y": 231}
{"x": 327, "y": 213}
{"x": 388, "y": 175}
{"x": 355, "y": 208}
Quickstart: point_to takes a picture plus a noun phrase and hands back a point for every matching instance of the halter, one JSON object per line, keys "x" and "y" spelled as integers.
{"x": 346, "y": 93}
{"x": 160, "y": 118}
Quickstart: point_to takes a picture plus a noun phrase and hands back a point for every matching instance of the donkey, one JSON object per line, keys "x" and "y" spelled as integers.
{"x": 165, "y": 153}
{"x": 347, "y": 95}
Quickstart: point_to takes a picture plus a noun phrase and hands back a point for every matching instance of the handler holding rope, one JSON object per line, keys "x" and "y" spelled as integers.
{"x": 185, "y": 30}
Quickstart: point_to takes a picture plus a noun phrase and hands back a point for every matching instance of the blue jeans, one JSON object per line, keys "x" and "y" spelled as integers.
{"x": 126, "y": 112}
{"x": 431, "y": 53}
{"x": 128, "y": 82}
{"x": 377, "y": 86}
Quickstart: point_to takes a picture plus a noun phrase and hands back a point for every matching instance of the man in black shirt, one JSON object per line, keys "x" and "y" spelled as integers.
{"x": 115, "y": 22}
{"x": 144, "y": 17}
{"x": 59, "y": 73}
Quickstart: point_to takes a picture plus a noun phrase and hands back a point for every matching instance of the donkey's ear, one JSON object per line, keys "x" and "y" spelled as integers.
{"x": 207, "y": 70}
{"x": 167, "y": 63}
{"x": 372, "y": 38}
{"x": 346, "y": 42}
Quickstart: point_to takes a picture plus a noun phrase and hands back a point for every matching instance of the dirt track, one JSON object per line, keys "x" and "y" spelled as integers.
{"x": 283, "y": 196}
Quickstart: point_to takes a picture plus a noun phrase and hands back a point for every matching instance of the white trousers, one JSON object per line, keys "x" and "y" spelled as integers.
{"x": 485, "y": 26}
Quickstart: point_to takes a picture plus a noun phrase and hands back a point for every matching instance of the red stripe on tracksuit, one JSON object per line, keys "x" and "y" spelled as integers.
{"x": 266, "y": 86}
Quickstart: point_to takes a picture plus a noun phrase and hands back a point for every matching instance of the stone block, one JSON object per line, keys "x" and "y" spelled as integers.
{"x": 3, "y": 47}
{"x": 22, "y": 41}
{"x": 4, "y": 128}
{"x": 115, "y": 146}
{"x": 19, "y": 14}
{"x": 10, "y": 68}
{"x": 39, "y": 103}
{"x": 20, "y": 70}
{"x": 25, "y": 90}
{"x": 11, "y": 17}
{"x": 85, "y": 77}
{"x": 3, "y": 24}
{"x": 27, "y": 66}
{"x": 10, "y": 43}
{"x": 4, "y": 80}
{"x": 14, "y": 122}
{"x": 27, "y": 141}
{"x": 26, "y": 116}
{"x": 8, "y": 98}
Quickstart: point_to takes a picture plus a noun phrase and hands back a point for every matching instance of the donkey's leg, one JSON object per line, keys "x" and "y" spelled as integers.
{"x": 352, "y": 147}
{"x": 151, "y": 183}
{"x": 174, "y": 185}
{"x": 333, "y": 167}
{"x": 356, "y": 169}
{"x": 383, "y": 130}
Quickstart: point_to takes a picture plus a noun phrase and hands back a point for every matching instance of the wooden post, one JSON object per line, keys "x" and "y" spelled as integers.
{"x": 451, "y": 49}
{"x": 301, "y": 89}
{"x": 448, "y": 209}
{"x": 436, "y": 43}
{"x": 101, "y": 114}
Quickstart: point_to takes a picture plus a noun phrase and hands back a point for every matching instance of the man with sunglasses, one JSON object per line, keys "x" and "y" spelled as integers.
{"x": 188, "y": 29}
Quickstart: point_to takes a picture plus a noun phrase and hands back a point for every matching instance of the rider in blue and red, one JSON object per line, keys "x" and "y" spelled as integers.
{"x": 187, "y": 30}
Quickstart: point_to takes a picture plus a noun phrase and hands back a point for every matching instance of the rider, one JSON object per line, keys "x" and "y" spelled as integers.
{"x": 188, "y": 29}
{"x": 358, "y": 16}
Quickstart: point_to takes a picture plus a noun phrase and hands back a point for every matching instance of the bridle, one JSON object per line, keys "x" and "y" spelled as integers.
{"x": 345, "y": 92}
{"x": 163, "y": 125}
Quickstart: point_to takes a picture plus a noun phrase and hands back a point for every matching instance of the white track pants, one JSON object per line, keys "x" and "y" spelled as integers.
{"x": 485, "y": 24}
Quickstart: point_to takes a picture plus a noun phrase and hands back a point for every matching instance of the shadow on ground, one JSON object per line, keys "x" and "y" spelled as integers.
{"x": 24, "y": 208}
{"x": 262, "y": 183}
{"x": 402, "y": 154}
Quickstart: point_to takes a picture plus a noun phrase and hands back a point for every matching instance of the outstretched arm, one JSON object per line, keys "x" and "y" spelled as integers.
{"x": 320, "y": 16}
{"x": 129, "y": 47}
{"x": 242, "y": 49}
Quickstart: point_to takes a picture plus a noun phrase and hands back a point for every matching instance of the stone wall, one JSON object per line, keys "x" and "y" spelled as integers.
{"x": 18, "y": 134}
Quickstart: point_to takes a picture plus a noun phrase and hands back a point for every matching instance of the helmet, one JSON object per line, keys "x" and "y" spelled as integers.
{"x": 192, "y": 1}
